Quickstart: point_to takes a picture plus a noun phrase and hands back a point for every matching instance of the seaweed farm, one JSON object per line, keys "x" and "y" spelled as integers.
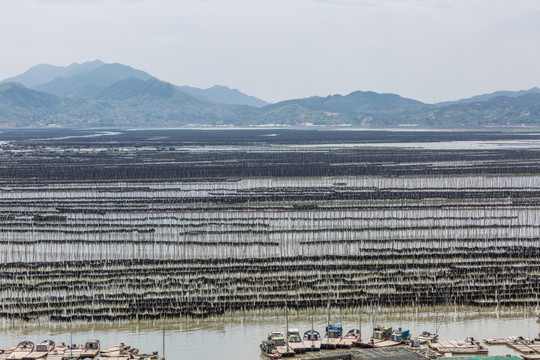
{"x": 108, "y": 226}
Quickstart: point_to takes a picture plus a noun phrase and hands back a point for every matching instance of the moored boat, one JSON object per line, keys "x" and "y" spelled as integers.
{"x": 41, "y": 350}
{"x": 23, "y": 349}
{"x": 401, "y": 335}
{"x": 531, "y": 356}
{"x": 269, "y": 350}
{"x": 380, "y": 335}
{"x": 91, "y": 349}
{"x": 5, "y": 352}
{"x": 334, "y": 333}
{"x": 426, "y": 337}
{"x": 295, "y": 342}
{"x": 349, "y": 338}
{"x": 312, "y": 340}
{"x": 282, "y": 347}
{"x": 469, "y": 346}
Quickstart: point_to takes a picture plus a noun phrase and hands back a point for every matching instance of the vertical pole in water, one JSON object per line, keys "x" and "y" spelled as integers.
{"x": 286, "y": 326}
{"x": 163, "y": 345}
{"x": 71, "y": 335}
{"x": 328, "y": 322}
{"x": 312, "y": 332}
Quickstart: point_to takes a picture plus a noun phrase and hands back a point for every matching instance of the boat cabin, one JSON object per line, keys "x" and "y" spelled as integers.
{"x": 293, "y": 335}
{"x": 45, "y": 346}
{"x": 334, "y": 331}
{"x": 382, "y": 332}
{"x": 294, "y": 338}
{"x": 92, "y": 345}
{"x": 400, "y": 335}
{"x": 312, "y": 335}
{"x": 276, "y": 337}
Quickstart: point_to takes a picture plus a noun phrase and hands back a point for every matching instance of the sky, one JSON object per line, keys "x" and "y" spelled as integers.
{"x": 275, "y": 50}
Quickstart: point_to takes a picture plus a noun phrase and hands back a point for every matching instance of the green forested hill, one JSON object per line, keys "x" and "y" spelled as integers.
{"x": 104, "y": 95}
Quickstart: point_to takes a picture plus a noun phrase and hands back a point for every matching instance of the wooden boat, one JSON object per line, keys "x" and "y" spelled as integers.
{"x": 57, "y": 353}
{"x": 348, "y": 340}
{"x": 269, "y": 350}
{"x": 381, "y": 334}
{"x": 312, "y": 340}
{"x": 4, "y": 353}
{"x": 531, "y": 357}
{"x": 117, "y": 348}
{"x": 41, "y": 350}
{"x": 115, "y": 351}
{"x": 295, "y": 342}
{"x": 91, "y": 349}
{"x": 426, "y": 337}
{"x": 468, "y": 346}
{"x": 23, "y": 349}
{"x": 396, "y": 338}
{"x": 518, "y": 343}
{"x": 282, "y": 347}
{"x": 334, "y": 333}
{"x": 72, "y": 351}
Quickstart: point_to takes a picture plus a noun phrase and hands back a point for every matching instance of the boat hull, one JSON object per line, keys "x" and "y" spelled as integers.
{"x": 312, "y": 345}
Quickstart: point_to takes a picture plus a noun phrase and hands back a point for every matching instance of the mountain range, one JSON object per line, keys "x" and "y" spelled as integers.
{"x": 96, "y": 94}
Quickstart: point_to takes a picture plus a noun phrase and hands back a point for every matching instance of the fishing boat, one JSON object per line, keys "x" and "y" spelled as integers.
{"x": 295, "y": 342}
{"x": 530, "y": 356}
{"x": 23, "y": 349}
{"x": 426, "y": 337}
{"x": 269, "y": 350}
{"x": 334, "y": 333}
{"x": 312, "y": 340}
{"x": 351, "y": 337}
{"x": 41, "y": 350}
{"x": 469, "y": 346}
{"x": 57, "y": 353}
{"x": 380, "y": 335}
{"x": 91, "y": 349}
{"x": 118, "y": 350}
{"x": 73, "y": 351}
{"x": 400, "y": 336}
{"x": 5, "y": 352}
{"x": 282, "y": 347}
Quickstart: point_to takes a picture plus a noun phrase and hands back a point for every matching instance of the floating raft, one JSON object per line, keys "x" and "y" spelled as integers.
{"x": 401, "y": 353}
{"x": 504, "y": 357}
{"x": 517, "y": 343}
{"x": 458, "y": 347}
{"x": 120, "y": 352}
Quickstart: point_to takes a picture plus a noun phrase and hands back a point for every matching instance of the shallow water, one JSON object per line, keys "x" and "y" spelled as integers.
{"x": 238, "y": 337}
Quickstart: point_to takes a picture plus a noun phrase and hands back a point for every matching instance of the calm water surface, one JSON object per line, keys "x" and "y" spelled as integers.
{"x": 238, "y": 337}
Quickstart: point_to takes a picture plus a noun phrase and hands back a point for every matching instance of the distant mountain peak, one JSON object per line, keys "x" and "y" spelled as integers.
{"x": 487, "y": 97}
{"x": 223, "y": 94}
{"x": 86, "y": 80}
{"x": 43, "y": 73}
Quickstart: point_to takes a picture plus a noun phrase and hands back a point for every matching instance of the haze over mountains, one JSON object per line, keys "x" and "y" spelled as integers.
{"x": 96, "y": 94}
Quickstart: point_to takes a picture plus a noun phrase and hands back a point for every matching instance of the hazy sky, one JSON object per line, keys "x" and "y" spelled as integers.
{"x": 281, "y": 49}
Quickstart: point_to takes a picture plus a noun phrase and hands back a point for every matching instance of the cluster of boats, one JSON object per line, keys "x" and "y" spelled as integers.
{"x": 48, "y": 350}
{"x": 277, "y": 345}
